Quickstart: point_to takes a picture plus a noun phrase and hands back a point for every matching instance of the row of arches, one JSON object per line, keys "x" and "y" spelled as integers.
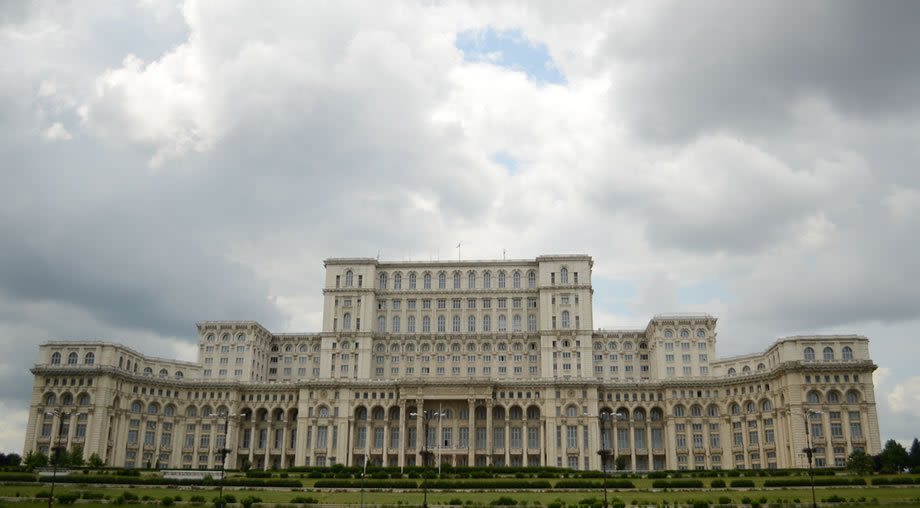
{"x": 303, "y": 348}
{"x": 240, "y": 337}
{"x": 457, "y": 278}
{"x": 73, "y": 358}
{"x": 67, "y": 399}
{"x": 828, "y": 354}
{"x": 832, "y": 397}
{"x": 614, "y": 346}
{"x": 514, "y": 412}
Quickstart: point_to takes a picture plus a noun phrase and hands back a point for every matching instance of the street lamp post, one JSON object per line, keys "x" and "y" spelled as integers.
{"x": 55, "y": 450}
{"x": 223, "y": 451}
{"x": 809, "y": 452}
{"x": 363, "y": 476}
{"x": 426, "y": 415}
{"x": 605, "y": 418}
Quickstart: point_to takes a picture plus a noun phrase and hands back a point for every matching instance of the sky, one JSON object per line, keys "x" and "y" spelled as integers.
{"x": 164, "y": 162}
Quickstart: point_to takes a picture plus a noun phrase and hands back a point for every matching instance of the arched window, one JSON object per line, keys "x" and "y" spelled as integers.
{"x": 732, "y": 371}
{"x": 678, "y": 410}
{"x": 442, "y": 325}
{"x": 502, "y": 323}
{"x": 471, "y": 324}
{"x": 442, "y": 280}
{"x": 531, "y": 323}
{"x": 833, "y": 397}
{"x": 565, "y": 319}
{"x": 761, "y": 366}
{"x": 487, "y": 323}
{"x": 712, "y": 411}
{"x": 427, "y": 281}
{"x": 571, "y": 411}
{"x": 382, "y": 284}
{"x": 346, "y": 321}
{"x": 746, "y": 369}
{"x": 164, "y": 373}
{"x": 516, "y": 280}
{"x": 501, "y": 280}
{"x": 50, "y": 399}
{"x": 455, "y": 324}
{"x": 55, "y": 358}
{"x": 456, "y": 280}
{"x": 813, "y": 397}
{"x": 847, "y": 353}
{"x": 564, "y": 275}
{"x": 426, "y": 324}
{"x": 531, "y": 279}
{"x": 750, "y": 406}
{"x": 397, "y": 281}
{"x": 191, "y": 411}
{"x": 828, "y": 354}
{"x": 766, "y": 405}
{"x": 179, "y": 374}
{"x": 83, "y": 399}
{"x": 487, "y": 280}
{"x": 516, "y": 324}
{"x": 153, "y": 409}
{"x": 381, "y": 324}
{"x": 72, "y": 359}
{"x": 136, "y": 407}
{"x": 395, "y": 324}
{"x": 471, "y": 280}
{"x": 410, "y": 326}
{"x": 89, "y": 358}
{"x": 349, "y": 279}
{"x": 323, "y": 412}
{"x": 412, "y": 280}
{"x": 735, "y": 409}
{"x": 169, "y": 410}
{"x": 148, "y": 371}
{"x": 67, "y": 399}
{"x": 809, "y": 354}
{"x": 852, "y": 397}
{"x": 696, "y": 410}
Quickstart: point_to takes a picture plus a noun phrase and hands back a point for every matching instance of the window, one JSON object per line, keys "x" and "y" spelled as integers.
{"x": 847, "y": 353}
{"x": 411, "y": 324}
{"x": 349, "y": 279}
{"x": 516, "y": 280}
{"x": 471, "y": 324}
{"x": 427, "y": 281}
{"x": 487, "y": 280}
{"x": 828, "y": 354}
{"x": 502, "y": 323}
{"x": 442, "y": 324}
{"x": 72, "y": 359}
{"x": 455, "y": 324}
{"x": 531, "y": 282}
{"x": 426, "y": 324}
{"x": 486, "y": 323}
{"x": 531, "y": 323}
{"x": 442, "y": 280}
{"x": 565, "y": 319}
{"x": 89, "y": 358}
{"x": 395, "y": 324}
{"x": 809, "y": 354}
{"x": 564, "y": 275}
{"x": 412, "y": 280}
{"x": 346, "y": 321}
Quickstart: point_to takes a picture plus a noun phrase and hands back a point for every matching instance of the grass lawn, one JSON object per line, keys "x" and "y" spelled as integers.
{"x": 882, "y": 494}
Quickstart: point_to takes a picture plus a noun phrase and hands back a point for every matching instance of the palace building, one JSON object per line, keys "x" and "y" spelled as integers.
{"x": 492, "y": 362}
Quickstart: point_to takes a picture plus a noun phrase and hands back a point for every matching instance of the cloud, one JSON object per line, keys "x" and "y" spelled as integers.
{"x": 57, "y": 132}
{"x": 905, "y": 397}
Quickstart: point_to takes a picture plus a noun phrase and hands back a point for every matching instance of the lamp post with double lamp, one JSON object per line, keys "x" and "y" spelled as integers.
{"x": 809, "y": 452}
{"x": 426, "y": 416}
{"x": 606, "y": 419}
{"x": 56, "y": 450}
{"x": 223, "y": 451}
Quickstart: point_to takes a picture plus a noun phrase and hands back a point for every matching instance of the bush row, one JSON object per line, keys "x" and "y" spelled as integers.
{"x": 18, "y": 477}
{"x": 586, "y": 484}
{"x": 900, "y": 480}
{"x": 156, "y": 480}
{"x": 822, "y": 482}
{"x": 677, "y": 484}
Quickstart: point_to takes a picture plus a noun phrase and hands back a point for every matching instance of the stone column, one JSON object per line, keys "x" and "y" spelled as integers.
{"x": 489, "y": 431}
{"x": 542, "y": 443}
{"x": 632, "y": 442}
{"x": 284, "y": 445}
{"x": 525, "y": 457}
{"x": 648, "y": 444}
{"x": 420, "y": 437}
{"x": 471, "y": 436}
{"x": 507, "y": 440}
{"x": 403, "y": 430}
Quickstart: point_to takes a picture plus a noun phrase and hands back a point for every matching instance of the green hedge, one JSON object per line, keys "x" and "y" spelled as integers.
{"x": 677, "y": 484}
{"x": 18, "y": 477}
{"x": 368, "y": 484}
{"x": 821, "y": 482}
{"x": 901, "y": 480}
{"x": 157, "y": 480}
{"x": 489, "y": 484}
{"x": 593, "y": 484}
{"x": 735, "y": 484}
{"x": 717, "y": 484}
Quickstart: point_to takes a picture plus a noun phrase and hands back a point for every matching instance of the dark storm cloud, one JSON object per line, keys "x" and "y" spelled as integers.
{"x": 707, "y": 66}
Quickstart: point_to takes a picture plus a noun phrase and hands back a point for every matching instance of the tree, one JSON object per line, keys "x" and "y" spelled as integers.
{"x": 75, "y": 457}
{"x": 96, "y": 462}
{"x": 622, "y": 463}
{"x": 860, "y": 463}
{"x": 36, "y": 459}
{"x": 13, "y": 459}
{"x": 914, "y": 455}
{"x": 894, "y": 457}
{"x": 246, "y": 465}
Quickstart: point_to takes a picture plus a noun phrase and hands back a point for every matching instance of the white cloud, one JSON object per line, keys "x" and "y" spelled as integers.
{"x": 57, "y": 132}
{"x": 904, "y": 397}
{"x": 11, "y": 427}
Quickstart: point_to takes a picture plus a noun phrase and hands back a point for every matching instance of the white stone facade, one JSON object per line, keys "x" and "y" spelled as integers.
{"x": 504, "y": 350}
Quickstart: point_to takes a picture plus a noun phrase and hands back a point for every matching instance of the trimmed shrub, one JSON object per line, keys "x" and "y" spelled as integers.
{"x": 304, "y": 500}
{"x": 821, "y": 482}
{"x": 736, "y": 484}
{"x": 167, "y": 501}
{"x": 18, "y": 477}
{"x": 717, "y": 484}
{"x": 677, "y": 484}
{"x": 69, "y": 498}
{"x": 593, "y": 484}
{"x": 504, "y": 501}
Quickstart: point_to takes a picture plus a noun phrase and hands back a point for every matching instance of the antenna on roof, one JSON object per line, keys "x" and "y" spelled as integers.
{"x": 503, "y": 254}
{"x": 378, "y": 254}
{"x": 458, "y": 249}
